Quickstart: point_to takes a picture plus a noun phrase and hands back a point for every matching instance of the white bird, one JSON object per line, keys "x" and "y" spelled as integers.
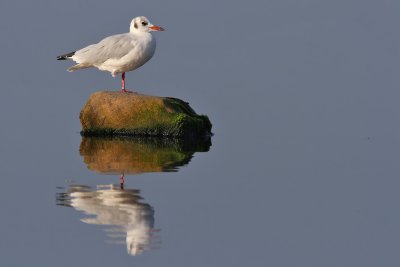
{"x": 118, "y": 53}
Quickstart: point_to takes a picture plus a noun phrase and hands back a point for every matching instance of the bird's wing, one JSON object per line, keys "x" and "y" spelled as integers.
{"x": 112, "y": 47}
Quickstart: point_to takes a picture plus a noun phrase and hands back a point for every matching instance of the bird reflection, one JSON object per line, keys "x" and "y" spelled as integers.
{"x": 122, "y": 209}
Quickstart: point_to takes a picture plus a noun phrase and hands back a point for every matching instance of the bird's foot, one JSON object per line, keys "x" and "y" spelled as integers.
{"x": 126, "y": 91}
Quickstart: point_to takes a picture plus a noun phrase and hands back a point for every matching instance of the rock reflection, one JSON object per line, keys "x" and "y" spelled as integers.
{"x": 139, "y": 155}
{"x": 131, "y": 221}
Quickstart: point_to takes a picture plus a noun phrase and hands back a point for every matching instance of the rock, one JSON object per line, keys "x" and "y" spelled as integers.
{"x": 131, "y": 114}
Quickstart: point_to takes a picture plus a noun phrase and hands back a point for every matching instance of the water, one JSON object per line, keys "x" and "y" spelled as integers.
{"x": 302, "y": 170}
{"x": 130, "y": 220}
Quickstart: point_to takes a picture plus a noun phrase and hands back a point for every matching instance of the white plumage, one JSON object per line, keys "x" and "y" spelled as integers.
{"x": 119, "y": 53}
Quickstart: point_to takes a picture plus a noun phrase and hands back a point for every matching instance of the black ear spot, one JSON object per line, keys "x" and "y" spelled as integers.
{"x": 135, "y": 25}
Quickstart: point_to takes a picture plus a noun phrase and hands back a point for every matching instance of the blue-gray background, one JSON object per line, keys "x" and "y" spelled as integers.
{"x": 303, "y": 96}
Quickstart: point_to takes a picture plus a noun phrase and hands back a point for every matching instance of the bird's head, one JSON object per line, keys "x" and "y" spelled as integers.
{"x": 142, "y": 24}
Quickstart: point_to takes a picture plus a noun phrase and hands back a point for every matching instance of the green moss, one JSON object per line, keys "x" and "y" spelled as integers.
{"x": 168, "y": 117}
{"x": 191, "y": 125}
{"x": 166, "y": 124}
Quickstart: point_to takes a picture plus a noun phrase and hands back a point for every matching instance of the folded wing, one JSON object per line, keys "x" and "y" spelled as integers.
{"x": 113, "y": 47}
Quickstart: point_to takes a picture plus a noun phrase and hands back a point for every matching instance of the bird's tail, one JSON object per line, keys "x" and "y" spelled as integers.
{"x": 66, "y": 56}
{"x": 79, "y": 66}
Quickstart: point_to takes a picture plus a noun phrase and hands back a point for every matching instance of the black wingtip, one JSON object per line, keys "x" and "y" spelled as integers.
{"x": 66, "y": 56}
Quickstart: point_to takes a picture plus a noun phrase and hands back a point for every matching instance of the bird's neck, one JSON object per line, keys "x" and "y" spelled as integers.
{"x": 136, "y": 32}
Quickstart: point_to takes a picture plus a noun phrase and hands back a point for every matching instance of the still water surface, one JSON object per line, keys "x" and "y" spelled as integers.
{"x": 303, "y": 169}
{"x": 129, "y": 219}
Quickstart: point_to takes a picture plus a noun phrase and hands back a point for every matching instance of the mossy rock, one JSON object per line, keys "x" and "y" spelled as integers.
{"x": 131, "y": 114}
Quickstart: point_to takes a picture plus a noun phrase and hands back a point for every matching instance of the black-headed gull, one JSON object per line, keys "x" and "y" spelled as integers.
{"x": 118, "y": 53}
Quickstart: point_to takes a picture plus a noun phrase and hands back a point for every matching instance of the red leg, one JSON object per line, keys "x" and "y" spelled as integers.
{"x": 123, "y": 82}
{"x": 123, "y": 90}
{"x": 121, "y": 181}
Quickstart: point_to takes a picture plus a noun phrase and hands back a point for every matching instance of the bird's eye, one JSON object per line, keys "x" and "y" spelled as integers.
{"x": 144, "y": 23}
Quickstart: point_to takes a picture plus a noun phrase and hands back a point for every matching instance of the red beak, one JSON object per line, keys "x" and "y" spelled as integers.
{"x": 156, "y": 28}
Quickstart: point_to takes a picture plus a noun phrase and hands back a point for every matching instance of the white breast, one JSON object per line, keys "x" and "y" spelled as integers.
{"x": 140, "y": 50}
